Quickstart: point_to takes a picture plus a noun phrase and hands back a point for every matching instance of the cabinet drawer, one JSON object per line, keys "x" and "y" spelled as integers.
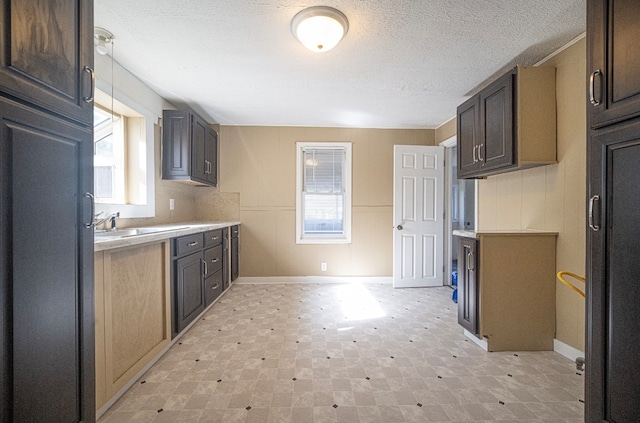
{"x": 187, "y": 244}
{"x": 213, "y": 260}
{"x": 213, "y": 287}
{"x": 235, "y": 231}
{"x": 213, "y": 238}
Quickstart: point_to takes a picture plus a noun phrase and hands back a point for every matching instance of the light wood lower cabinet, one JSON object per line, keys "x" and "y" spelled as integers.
{"x": 514, "y": 289}
{"x": 133, "y": 316}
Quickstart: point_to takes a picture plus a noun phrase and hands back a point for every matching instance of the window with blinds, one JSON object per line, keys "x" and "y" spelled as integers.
{"x": 323, "y": 195}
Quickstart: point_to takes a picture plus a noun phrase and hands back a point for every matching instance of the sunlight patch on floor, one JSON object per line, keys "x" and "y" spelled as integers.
{"x": 357, "y": 303}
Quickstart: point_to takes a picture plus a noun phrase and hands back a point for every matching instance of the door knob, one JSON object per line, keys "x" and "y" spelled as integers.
{"x": 399, "y": 227}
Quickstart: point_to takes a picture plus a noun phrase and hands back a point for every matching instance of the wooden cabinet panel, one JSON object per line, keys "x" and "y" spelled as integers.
{"x": 612, "y": 384}
{"x": 199, "y": 166}
{"x": 188, "y": 244}
{"x": 227, "y": 259}
{"x": 613, "y": 60}
{"x": 46, "y": 282}
{"x": 496, "y": 111}
{"x": 509, "y": 125}
{"x": 468, "y": 137}
{"x": 189, "y": 290}
{"x": 235, "y": 252}
{"x": 613, "y": 329}
{"x": 468, "y": 293}
{"x": 46, "y": 55}
{"x": 190, "y": 148}
{"x": 213, "y": 260}
{"x": 213, "y": 238}
{"x": 132, "y": 313}
{"x": 175, "y": 154}
{"x": 514, "y": 277}
{"x": 213, "y": 286}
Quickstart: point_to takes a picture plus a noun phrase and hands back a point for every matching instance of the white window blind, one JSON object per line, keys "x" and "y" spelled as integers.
{"x": 324, "y": 192}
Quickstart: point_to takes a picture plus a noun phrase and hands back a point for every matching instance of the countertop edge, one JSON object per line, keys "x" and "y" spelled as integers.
{"x": 188, "y": 229}
{"x": 477, "y": 234}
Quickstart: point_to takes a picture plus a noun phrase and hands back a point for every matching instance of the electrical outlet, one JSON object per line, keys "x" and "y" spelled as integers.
{"x": 323, "y": 266}
{"x": 172, "y": 204}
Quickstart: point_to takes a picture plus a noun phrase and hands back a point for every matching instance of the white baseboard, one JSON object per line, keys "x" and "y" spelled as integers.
{"x": 313, "y": 279}
{"x": 479, "y": 342}
{"x": 567, "y": 350}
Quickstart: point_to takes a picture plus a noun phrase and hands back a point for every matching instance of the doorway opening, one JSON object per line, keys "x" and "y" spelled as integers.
{"x": 460, "y": 209}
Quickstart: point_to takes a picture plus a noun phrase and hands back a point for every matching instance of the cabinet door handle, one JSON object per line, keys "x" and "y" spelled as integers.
{"x": 206, "y": 268}
{"x": 474, "y": 154}
{"x": 192, "y": 244}
{"x": 215, "y": 260}
{"x": 592, "y": 87}
{"x": 92, "y": 75}
{"x": 213, "y": 238}
{"x": 215, "y": 286}
{"x": 470, "y": 261}
{"x": 93, "y": 209}
{"x": 595, "y": 227}
{"x": 480, "y": 158}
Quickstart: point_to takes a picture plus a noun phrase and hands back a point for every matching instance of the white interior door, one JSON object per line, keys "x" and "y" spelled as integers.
{"x": 418, "y": 216}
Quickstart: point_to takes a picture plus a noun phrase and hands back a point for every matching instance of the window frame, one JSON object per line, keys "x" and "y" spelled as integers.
{"x": 345, "y": 238}
{"x": 132, "y": 210}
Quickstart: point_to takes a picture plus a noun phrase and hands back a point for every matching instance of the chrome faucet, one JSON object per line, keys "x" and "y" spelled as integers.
{"x": 111, "y": 218}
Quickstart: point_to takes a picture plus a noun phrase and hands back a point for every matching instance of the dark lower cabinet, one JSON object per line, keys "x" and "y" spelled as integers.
{"x": 225, "y": 262}
{"x": 189, "y": 292}
{"x": 200, "y": 274}
{"x": 468, "y": 291}
{"x": 235, "y": 252}
{"x": 612, "y": 385}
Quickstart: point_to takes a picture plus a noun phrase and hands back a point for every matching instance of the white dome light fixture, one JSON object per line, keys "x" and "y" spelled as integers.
{"x": 319, "y": 28}
{"x": 102, "y": 37}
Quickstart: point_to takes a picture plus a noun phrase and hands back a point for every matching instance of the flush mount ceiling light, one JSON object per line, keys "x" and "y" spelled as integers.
{"x": 102, "y": 37}
{"x": 319, "y": 28}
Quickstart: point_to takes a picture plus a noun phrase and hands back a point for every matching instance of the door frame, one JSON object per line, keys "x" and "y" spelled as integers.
{"x": 449, "y": 177}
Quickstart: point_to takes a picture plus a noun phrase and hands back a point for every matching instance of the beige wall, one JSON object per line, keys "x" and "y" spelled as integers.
{"x": 446, "y": 130}
{"x": 552, "y": 197}
{"x": 257, "y": 186}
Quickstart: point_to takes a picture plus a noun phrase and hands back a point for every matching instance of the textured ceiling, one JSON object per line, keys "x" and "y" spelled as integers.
{"x": 403, "y": 64}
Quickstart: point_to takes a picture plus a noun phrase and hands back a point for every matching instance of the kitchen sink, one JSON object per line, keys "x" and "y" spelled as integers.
{"x": 127, "y": 232}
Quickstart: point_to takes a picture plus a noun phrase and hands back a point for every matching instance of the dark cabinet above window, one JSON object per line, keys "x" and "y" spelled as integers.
{"x": 189, "y": 148}
{"x": 509, "y": 125}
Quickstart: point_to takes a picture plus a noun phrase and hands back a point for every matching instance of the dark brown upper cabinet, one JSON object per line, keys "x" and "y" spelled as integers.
{"x": 613, "y": 61}
{"x": 189, "y": 148}
{"x": 509, "y": 125}
{"x": 45, "y": 59}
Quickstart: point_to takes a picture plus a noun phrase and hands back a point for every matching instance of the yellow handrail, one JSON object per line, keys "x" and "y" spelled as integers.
{"x": 570, "y": 285}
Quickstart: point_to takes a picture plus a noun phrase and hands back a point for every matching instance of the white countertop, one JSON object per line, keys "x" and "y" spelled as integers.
{"x": 506, "y": 232}
{"x": 102, "y": 243}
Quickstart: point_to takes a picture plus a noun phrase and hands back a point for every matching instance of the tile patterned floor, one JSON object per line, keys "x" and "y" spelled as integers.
{"x": 345, "y": 353}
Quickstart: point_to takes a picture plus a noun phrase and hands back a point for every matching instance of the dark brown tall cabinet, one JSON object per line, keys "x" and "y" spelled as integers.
{"x": 46, "y": 177}
{"x": 613, "y": 236}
